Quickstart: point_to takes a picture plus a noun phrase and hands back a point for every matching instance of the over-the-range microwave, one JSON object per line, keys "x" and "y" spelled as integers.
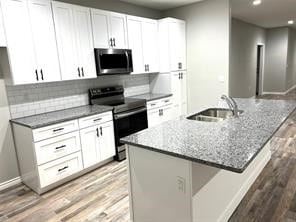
{"x": 113, "y": 61}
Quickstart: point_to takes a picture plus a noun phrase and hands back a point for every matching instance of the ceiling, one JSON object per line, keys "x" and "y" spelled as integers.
{"x": 161, "y": 4}
{"x": 270, "y": 14}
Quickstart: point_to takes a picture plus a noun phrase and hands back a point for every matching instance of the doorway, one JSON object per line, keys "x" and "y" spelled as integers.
{"x": 259, "y": 69}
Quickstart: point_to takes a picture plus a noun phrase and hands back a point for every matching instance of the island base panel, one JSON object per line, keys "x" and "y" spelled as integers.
{"x": 164, "y": 188}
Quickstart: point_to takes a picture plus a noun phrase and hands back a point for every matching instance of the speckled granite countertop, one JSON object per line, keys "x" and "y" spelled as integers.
{"x": 230, "y": 144}
{"x": 46, "y": 119}
{"x": 151, "y": 96}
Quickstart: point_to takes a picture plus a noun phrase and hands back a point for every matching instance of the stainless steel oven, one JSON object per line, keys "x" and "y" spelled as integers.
{"x": 113, "y": 61}
{"x": 127, "y": 123}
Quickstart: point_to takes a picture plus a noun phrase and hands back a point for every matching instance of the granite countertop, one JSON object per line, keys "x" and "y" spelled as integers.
{"x": 231, "y": 144}
{"x": 46, "y": 119}
{"x": 151, "y": 96}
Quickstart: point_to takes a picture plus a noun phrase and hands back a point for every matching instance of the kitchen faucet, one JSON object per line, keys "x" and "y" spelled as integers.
{"x": 231, "y": 103}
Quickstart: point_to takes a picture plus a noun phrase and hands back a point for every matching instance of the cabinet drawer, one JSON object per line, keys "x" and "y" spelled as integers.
{"x": 160, "y": 102}
{"x": 59, "y": 169}
{"x": 55, "y": 130}
{"x": 95, "y": 119}
{"x": 57, "y": 147}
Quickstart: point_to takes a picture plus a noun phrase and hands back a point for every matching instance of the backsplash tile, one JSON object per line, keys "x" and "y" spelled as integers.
{"x": 26, "y": 100}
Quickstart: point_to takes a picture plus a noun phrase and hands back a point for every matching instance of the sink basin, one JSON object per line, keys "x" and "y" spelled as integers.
{"x": 213, "y": 115}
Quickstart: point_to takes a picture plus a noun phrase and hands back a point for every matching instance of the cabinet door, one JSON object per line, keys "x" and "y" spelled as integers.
{"x": 90, "y": 146}
{"x": 19, "y": 41}
{"x": 150, "y": 44}
{"x": 118, "y": 30}
{"x": 184, "y": 93}
{"x": 85, "y": 42}
{"x": 66, "y": 40}
{"x": 153, "y": 117}
{"x": 44, "y": 40}
{"x": 167, "y": 113}
{"x": 177, "y": 93}
{"x": 106, "y": 141}
{"x": 134, "y": 26}
{"x": 177, "y": 40}
{"x": 101, "y": 28}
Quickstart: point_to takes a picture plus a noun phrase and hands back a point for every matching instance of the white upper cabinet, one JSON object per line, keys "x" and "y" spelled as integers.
{"x": 172, "y": 44}
{"x": 85, "y": 42}
{"x": 150, "y": 45}
{"x": 142, "y": 37}
{"x": 109, "y": 29}
{"x": 44, "y": 40}
{"x": 30, "y": 37}
{"x": 75, "y": 43}
{"x": 135, "y": 43}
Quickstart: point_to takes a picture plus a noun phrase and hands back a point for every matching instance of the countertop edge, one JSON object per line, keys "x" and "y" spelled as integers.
{"x": 14, "y": 121}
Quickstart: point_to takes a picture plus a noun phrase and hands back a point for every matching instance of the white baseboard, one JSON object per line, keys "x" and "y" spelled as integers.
{"x": 10, "y": 183}
{"x": 289, "y": 90}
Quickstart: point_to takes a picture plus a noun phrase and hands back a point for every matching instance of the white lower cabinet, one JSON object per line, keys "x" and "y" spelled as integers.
{"x": 159, "y": 111}
{"x": 97, "y": 143}
{"x": 54, "y": 154}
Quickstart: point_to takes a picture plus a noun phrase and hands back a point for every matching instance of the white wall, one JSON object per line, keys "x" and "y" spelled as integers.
{"x": 208, "y": 33}
{"x": 276, "y": 60}
{"x": 243, "y": 58}
{"x": 291, "y": 63}
{"x": 8, "y": 162}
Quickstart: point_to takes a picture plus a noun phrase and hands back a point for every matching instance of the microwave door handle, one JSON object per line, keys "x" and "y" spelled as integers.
{"x": 127, "y": 60}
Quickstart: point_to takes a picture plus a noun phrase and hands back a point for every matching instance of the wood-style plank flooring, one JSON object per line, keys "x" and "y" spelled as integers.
{"x": 102, "y": 195}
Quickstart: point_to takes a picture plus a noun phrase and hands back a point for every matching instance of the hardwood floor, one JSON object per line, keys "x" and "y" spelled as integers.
{"x": 102, "y": 195}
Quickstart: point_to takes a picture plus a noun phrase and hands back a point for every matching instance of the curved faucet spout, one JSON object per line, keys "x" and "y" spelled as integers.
{"x": 231, "y": 103}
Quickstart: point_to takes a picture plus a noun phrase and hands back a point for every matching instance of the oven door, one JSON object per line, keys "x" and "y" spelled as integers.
{"x": 127, "y": 123}
{"x": 113, "y": 61}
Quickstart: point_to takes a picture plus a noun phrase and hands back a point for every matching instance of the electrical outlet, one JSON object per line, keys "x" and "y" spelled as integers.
{"x": 181, "y": 184}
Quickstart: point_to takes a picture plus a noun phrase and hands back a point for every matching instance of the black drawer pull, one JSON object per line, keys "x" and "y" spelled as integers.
{"x": 62, "y": 169}
{"x": 101, "y": 131}
{"x": 152, "y": 104}
{"x": 98, "y": 135}
{"x": 60, "y": 147}
{"x": 57, "y": 130}
{"x": 166, "y": 101}
{"x": 95, "y": 120}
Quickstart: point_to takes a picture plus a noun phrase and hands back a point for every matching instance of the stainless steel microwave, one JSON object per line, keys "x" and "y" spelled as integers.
{"x": 113, "y": 61}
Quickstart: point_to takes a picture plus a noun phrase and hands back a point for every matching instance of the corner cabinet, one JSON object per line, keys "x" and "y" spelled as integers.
{"x": 142, "y": 40}
{"x": 75, "y": 41}
{"x": 31, "y": 46}
{"x": 54, "y": 154}
{"x": 109, "y": 29}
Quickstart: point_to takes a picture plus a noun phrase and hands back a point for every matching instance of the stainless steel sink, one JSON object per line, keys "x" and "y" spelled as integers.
{"x": 213, "y": 115}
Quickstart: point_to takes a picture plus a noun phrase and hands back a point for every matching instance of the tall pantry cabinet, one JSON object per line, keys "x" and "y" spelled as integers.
{"x": 172, "y": 54}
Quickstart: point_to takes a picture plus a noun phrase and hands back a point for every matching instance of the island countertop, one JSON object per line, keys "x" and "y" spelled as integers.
{"x": 231, "y": 144}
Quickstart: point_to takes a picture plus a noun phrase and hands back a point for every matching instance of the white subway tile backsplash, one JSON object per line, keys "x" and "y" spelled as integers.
{"x": 34, "y": 99}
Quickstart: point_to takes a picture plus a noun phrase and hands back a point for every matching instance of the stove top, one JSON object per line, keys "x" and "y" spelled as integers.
{"x": 114, "y": 96}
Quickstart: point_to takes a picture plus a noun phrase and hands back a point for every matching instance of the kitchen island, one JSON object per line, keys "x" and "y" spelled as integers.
{"x": 185, "y": 170}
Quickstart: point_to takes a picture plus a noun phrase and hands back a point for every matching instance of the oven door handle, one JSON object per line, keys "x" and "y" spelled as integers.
{"x": 123, "y": 115}
{"x": 127, "y": 60}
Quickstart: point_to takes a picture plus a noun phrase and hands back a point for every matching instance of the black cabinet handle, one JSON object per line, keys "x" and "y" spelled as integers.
{"x": 148, "y": 67}
{"x": 64, "y": 168}
{"x": 114, "y": 43}
{"x": 111, "y": 42}
{"x": 60, "y": 147}
{"x": 36, "y": 72}
{"x": 101, "y": 131}
{"x": 78, "y": 71}
{"x": 57, "y": 130}
{"x": 180, "y": 65}
{"x": 98, "y": 134}
{"x": 41, "y": 74}
{"x": 95, "y": 120}
{"x": 82, "y": 71}
{"x": 181, "y": 75}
